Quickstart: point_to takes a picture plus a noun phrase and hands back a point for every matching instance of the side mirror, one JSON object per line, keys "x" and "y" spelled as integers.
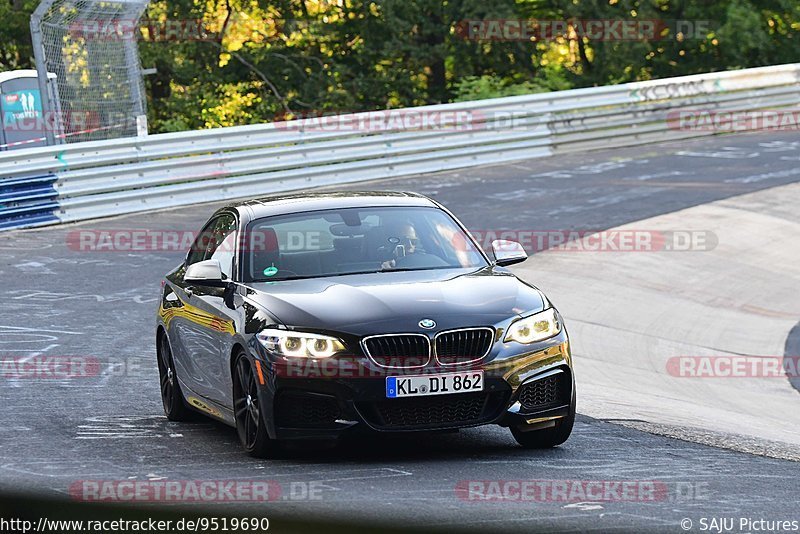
{"x": 508, "y": 252}
{"x": 205, "y": 273}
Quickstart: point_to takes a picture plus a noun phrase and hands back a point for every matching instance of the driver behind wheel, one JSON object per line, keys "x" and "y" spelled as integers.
{"x": 404, "y": 238}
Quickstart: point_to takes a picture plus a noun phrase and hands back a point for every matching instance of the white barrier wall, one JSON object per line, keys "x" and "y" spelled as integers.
{"x": 95, "y": 179}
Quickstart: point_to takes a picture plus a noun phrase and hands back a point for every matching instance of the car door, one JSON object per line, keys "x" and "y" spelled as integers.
{"x": 206, "y": 320}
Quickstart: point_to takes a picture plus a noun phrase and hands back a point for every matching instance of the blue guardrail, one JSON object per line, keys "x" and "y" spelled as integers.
{"x": 28, "y": 201}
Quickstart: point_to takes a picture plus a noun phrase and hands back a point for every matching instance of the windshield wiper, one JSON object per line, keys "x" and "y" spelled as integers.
{"x": 331, "y": 275}
{"x": 306, "y": 277}
{"x": 407, "y": 269}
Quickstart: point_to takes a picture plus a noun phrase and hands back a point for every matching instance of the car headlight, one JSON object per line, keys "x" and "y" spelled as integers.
{"x": 536, "y": 327}
{"x": 299, "y": 344}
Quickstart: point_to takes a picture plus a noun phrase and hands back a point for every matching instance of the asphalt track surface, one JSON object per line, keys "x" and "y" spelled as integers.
{"x": 63, "y": 302}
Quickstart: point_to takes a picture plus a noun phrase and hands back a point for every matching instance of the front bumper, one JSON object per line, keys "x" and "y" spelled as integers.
{"x": 316, "y": 400}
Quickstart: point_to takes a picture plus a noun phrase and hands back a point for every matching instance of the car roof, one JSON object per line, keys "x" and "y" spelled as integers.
{"x": 314, "y": 201}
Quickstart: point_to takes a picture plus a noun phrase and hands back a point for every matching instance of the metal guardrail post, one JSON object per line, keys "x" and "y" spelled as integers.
{"x": 41, "y": 66}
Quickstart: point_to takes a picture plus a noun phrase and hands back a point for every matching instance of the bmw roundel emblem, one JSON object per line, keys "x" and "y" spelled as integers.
{"x": 427, "y": 324}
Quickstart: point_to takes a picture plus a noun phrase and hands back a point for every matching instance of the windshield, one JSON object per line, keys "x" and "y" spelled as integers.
{"x": 353, "y": 241}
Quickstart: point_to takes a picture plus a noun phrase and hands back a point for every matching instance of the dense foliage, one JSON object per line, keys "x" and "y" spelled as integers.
{"x": 287, "y": 58}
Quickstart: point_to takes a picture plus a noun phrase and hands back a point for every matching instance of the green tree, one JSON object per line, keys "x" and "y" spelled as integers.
{"x": 287, "y": 58}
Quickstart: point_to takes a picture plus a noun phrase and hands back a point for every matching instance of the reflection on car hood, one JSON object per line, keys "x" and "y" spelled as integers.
{"x": 397, "y": 301}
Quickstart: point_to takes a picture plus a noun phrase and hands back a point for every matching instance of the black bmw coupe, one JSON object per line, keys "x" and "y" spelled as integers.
{"x": 306, "y": 316}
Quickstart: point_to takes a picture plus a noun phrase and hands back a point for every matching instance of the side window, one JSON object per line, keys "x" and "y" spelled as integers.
{"x": 223, "y": 245}
{"x": 217, "y": 241}
{"x": 202, "y": 242}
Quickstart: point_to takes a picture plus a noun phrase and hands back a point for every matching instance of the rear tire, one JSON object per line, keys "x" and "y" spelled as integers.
{"x": 547, "y": 437}
{"x": 247, "y": 411}
{"x": 171, "y": 395}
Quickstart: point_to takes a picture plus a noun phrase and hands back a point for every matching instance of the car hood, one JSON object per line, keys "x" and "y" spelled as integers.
{"x": 396, "y": 301}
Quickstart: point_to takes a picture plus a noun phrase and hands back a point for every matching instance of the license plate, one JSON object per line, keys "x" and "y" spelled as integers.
{"x": 443, "y": 384}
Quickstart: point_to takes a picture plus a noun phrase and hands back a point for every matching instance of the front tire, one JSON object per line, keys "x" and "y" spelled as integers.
{"x": 247, "y": 411}
{"x": 547, "y": 437}
{"x": 171, "y": 396}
